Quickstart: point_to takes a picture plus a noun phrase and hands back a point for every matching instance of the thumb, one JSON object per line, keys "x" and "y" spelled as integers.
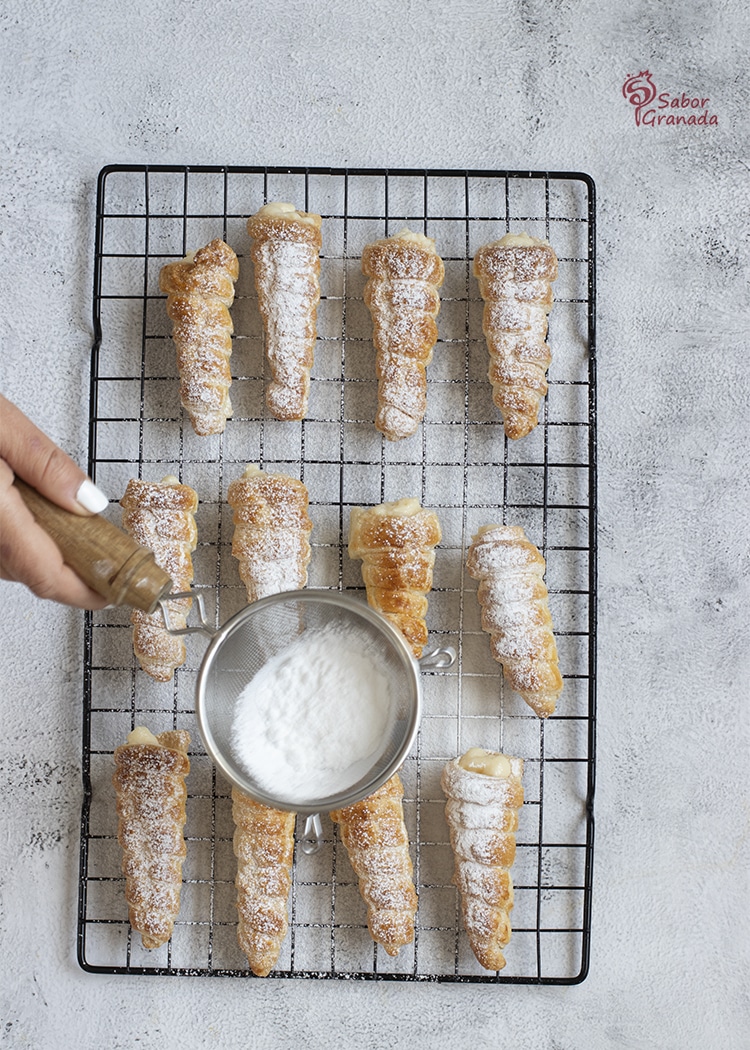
{"x": 42, "y": 464}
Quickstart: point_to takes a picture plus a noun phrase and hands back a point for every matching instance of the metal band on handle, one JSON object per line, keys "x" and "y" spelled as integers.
{"x": 312, "y": 836}
{"x": 437, "y": 658}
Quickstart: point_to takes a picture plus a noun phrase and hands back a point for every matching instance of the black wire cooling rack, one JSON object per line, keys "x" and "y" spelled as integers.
{"x": 459, "y": 463}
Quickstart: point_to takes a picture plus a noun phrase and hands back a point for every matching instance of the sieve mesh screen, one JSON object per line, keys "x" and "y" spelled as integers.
{"x": 265, "y": 630}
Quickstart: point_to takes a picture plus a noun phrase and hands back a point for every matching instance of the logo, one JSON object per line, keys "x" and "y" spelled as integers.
{"x": 654, "y": 109}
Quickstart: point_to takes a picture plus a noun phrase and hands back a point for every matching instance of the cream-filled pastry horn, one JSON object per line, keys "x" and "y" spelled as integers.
{"x": 150, "y": 793}
{"x": 484, "y": 794}
{"x": 402, "y": 294}
{"x": 377, "y": 843}
{"x": 286, "y": 255}
{"x": 264, "y": 847}
{"x": 200, "y": 290}
{"x": 396, "y": 543}
{"x": 516, "y": 614}
{"x": 271, "y": 540}
{"x": 161, "y": 516}
{"x": 515, "y": 277}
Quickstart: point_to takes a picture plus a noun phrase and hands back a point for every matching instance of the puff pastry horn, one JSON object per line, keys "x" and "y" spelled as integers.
{"x": 286, "y": 255}
{"x": 264, "y": 848}
{"x": 376, "y": 840}
{"x": 515, "y": 613}
{"x": 200, "y": 290}
{"x": 405, "y": 273}
{"x": 271, "y": 544}
{"x": 272, "y": 529}
{"x": 150, "y": 792}
{"x": 484, "y": 793}
{"x": 396, "y": 543}
{"x": 515, "y": 275}
{"x": 160, "y": 516}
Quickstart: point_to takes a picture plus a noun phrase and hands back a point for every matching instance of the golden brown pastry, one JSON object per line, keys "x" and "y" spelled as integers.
{"x": 515, "y": 275}
{"x": 286, "y": 254}
{"x": 405, "y": 273}
{"x": 149, "y": 782}
{"x": 484, "y": 793}
{"x": 272, "y": 530}
{"x": 200, "y": 290}
{"x": 376, "y": 840}
{"x": 271, "y": 544}
{"x": 160, "y": 516}
{"x": 515, "y": 613}
{"x": 396, "y": 543}
{"x": 264, "y": 848}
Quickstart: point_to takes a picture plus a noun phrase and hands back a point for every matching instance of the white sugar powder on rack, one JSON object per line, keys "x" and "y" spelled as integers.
{"x": 313, "y": 720}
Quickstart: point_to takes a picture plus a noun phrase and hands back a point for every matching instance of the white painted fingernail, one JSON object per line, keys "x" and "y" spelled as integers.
{"x": 91, "y": 498}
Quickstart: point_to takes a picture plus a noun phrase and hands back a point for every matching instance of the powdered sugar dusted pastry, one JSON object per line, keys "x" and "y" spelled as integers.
{"x": 149, "y": 782}
{"x": 484, "y": 793}
{"x": 286, "y": 254}
{"x": 515, "y": 613}
{"x": 405, "y": 273}
{"x": 515, "y": 275}
{"x": 264, "y": 848}
{"x": 160, "y": 516}
{"x": 200, "y": 290}
{"x": 271, "y": 544}
{"x": 396, "y": 542}
{"x": 272, "y": 530}
{"x": 376, "y": 840}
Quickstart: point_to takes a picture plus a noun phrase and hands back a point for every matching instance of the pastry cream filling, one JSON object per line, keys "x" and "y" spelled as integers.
{"x": 483, "y": 529}
{"x": 400, "y": 508}
{"x": 283, "y": 210}
{"x": 520, "y": 240}
{"x": 490, "y": 763}
{"x": 141, "y": 735}
{"x": 417, "y": 238}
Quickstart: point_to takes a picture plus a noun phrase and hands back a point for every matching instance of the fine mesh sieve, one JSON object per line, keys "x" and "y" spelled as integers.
{"x": 268, "y": 627}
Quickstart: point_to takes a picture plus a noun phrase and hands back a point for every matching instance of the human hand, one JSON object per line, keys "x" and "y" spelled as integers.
{"x": 27, "y": 554}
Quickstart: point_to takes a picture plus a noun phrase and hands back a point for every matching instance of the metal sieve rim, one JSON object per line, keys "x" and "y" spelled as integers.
{"x": 356, "y": 608}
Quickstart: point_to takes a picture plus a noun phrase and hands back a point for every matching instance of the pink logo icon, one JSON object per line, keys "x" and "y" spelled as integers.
{"x": 667, "y": 109}
{"x": 639, "y": 90}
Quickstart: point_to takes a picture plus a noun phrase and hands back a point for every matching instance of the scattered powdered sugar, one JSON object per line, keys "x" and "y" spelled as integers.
{"x": 159, "y": 516}
{"x": 286, "y": 276}
{"x": 271, "y": 533}
{"x": 515, "y": 283}
{"x": 313, "y": 719}
{"x": 403, "y": 303}
{"x": 515, "y": 613}
{"x": 499, "y": 263}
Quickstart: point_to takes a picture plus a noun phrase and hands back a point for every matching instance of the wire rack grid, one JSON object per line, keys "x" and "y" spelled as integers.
{"x": 459, "y": 463}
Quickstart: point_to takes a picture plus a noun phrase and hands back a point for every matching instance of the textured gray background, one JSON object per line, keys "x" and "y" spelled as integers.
{"x": 532, "y": 84}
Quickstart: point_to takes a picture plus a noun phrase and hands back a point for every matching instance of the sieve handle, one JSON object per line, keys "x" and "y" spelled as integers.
{"x": 436, "y": 658}
{"x": 105, "y": 557}
{"x": 312, "y": 836}
{"x": 202, "y": 627}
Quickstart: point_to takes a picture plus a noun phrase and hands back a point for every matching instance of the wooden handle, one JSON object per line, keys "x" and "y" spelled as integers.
{"x": 105, "y": 557}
